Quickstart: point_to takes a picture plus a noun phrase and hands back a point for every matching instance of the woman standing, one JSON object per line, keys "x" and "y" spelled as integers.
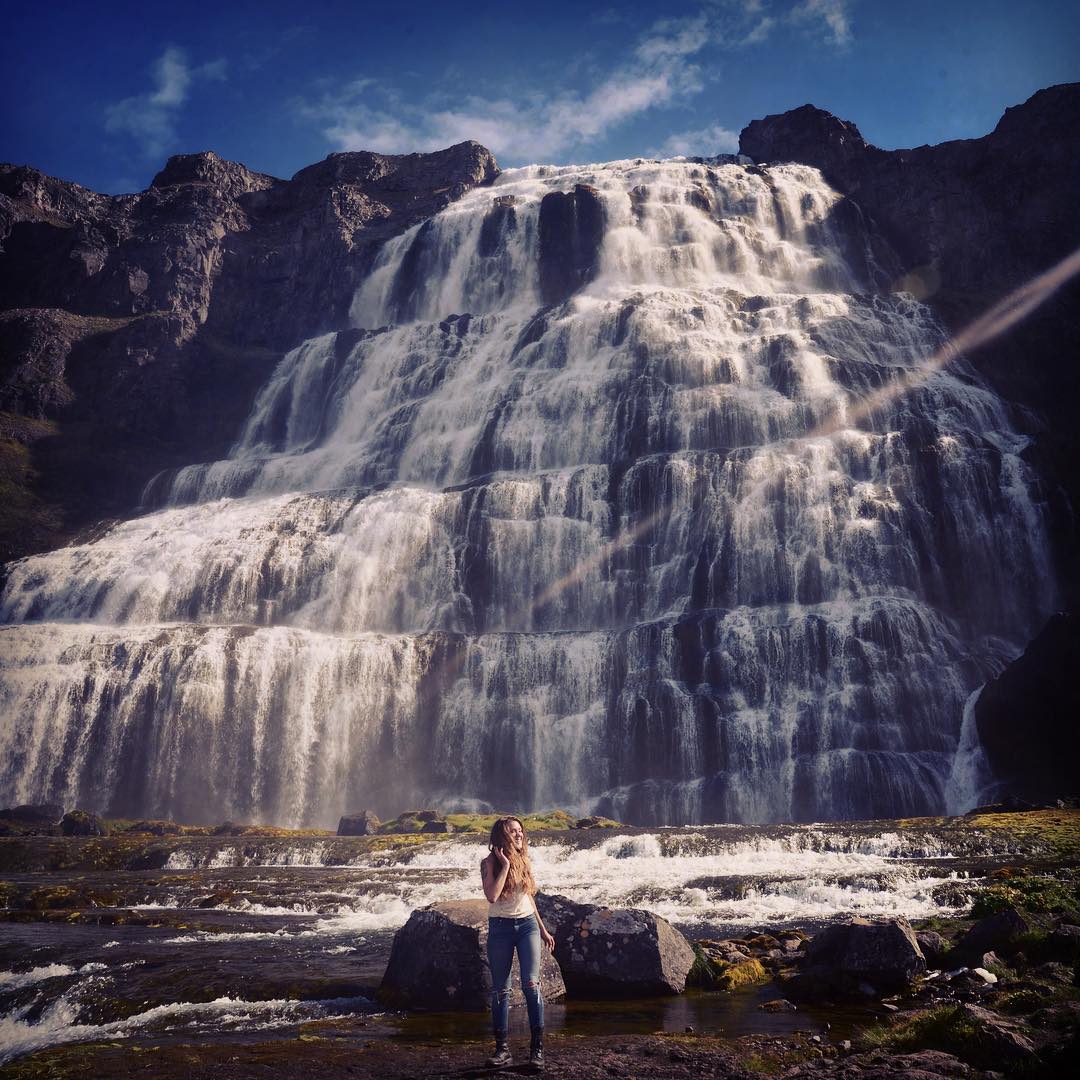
{"x": 513, "y": 923}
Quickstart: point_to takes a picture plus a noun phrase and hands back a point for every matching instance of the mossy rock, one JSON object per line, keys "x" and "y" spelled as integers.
{"x": 761, "y": 942}
{"x": 711, "y": 973}
{"x": 748, "y": 973}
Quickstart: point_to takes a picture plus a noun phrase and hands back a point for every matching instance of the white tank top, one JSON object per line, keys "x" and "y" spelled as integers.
{"x": 511, "y": 905}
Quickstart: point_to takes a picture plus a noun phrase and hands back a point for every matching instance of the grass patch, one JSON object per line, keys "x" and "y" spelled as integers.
{"x": 1019, "y": 1002}
{"x": 942, "y": 1028}
{"x": 1036, "y": 893}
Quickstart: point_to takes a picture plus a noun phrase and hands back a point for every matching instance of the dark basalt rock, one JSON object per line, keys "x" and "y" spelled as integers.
{"x": 615, "y": 952}
{"x": 36, "y": 815}
{"x": 933, "y": 946}
{"x": 82, "y": 823}
{"x": 366, "y": 823}
{"x": 439, "y": 961}
{"x": 861, "y": 955}
{"x": 995, "y": 933}
{"x": 1065, "y": 942}
{"x": 571, "y": 230}
{"x": 1027, "y": 716}
{"x": 144, "y": 324}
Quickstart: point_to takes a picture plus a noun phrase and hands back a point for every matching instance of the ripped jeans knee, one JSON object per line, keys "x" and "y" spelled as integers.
{"x": 504, "y": 937}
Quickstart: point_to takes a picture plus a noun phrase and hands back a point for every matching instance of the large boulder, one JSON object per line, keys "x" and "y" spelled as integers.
{"x": 33, "y": 815}
{"x": 994, "y": 933}
{"x": 82, "y": 823}
{"x": 862, "y": 955}
{"x": 366, "y": 823}
{"x": 439, "y": 961}
{"x": 615, "y": 952}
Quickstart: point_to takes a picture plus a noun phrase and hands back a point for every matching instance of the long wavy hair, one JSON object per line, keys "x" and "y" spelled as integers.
{"x": 519, "y": 877}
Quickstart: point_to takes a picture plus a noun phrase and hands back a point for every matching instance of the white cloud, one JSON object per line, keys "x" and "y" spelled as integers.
{"x": 831, "y": 16}
{"x": 150, "y": 118}
{"x": 658, "y": 72}
{"x": 760, "y": 31}
{"x": 702, "y": 143}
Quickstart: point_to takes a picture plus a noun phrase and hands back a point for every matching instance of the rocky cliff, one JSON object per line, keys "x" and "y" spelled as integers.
{"x": 135, "y": 329}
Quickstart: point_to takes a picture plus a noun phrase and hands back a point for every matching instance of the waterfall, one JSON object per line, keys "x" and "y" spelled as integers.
{"x": 582, "y": 511}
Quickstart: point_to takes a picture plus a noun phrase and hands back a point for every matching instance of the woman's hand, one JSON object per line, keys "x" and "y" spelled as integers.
{"x": 547, "y": 939}
{"x": 501, "y": 857}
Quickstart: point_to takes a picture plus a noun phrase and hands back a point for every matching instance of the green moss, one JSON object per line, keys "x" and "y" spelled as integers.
{"x": 748, "y": 973}
{"x": 711, "y": 973}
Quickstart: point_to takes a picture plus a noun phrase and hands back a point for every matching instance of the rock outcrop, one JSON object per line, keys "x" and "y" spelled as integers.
{"x": 439, "y": 961}
{"x": 366, "y": 823}
{"x": 34, "y": 815}
{"x": 82, "y": 823}
{"x": 571, "y": 228}
{"x": 615, "y": 952}
{"x": 138, "y": 327}
{"x": 1026, "y": 717}
{"x": 861, "y": 956}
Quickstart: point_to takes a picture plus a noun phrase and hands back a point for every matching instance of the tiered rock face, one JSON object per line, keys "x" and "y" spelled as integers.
{"x": 972, "y": 220}
{"x": 594, "y": 483}
{"x": 143, "y": 324}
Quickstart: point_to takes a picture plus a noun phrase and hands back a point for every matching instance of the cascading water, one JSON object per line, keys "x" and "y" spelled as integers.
{"x": 626, "y": 544}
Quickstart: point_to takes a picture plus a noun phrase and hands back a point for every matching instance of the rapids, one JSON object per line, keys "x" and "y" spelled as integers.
{"x": 634, "y": 550}
{"x": 244, "y": 935}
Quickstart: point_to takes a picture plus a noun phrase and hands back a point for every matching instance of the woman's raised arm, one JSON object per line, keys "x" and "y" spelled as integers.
{"x": 493, "y": 872}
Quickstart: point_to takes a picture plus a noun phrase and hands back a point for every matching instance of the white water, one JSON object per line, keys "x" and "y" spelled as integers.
{"x": 593, "y": 555}
{"x": 60, "y": 1022}
{"x": 689, "y": 879}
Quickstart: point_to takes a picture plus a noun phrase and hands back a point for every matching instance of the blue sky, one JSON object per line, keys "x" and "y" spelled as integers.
{"x": 103, "y": 93}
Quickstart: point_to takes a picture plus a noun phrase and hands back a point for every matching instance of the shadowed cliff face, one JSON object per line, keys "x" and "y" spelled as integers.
{"x": 137, "y": 328}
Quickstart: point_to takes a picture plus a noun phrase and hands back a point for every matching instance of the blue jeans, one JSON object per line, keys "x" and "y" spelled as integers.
{"x": 505, "y": 935}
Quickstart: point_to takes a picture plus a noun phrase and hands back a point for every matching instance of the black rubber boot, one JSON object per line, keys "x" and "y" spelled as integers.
{"x": 536, "y": 1050}
{"x": 502, "y": 1052}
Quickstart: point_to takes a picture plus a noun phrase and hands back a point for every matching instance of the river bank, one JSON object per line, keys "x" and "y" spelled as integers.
{"x": 177, "y": 955}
